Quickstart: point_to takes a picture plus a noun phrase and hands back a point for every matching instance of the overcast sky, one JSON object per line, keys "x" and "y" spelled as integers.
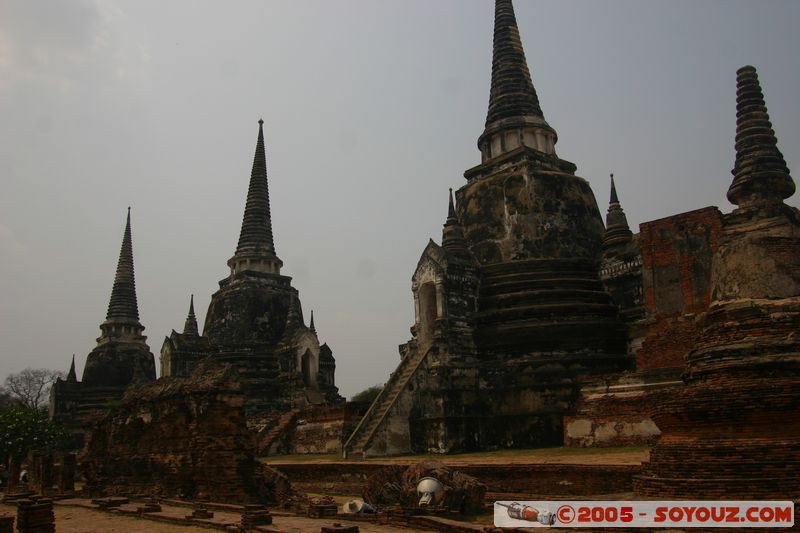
{"x": 372, "y": 109}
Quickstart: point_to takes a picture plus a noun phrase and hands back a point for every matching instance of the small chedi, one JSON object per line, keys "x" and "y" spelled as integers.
{"x": 184, "y": 437}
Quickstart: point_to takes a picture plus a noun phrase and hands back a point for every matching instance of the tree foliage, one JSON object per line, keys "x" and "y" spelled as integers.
{"x": 367, "y": 395}
{"x": 24, "y": 430}
{"x": 32, "y": 386}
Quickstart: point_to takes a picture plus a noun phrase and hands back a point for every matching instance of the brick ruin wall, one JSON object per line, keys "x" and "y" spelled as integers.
{"x": 676, "y": 271}
{"x": 676, "y": 278}
{"x": 184, "y": 437}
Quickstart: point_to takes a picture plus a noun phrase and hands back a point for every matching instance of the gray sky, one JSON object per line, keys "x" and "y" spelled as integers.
{"x": 372, "y": 109}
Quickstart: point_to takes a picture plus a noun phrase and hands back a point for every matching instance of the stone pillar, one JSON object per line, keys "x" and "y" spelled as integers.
{"x": 66, "y": 474}
{"x": 414, "y": 288}
{"x": 439, "y": 298}
{"x": 41, "y": 472}
{"x": 13, "y": 474}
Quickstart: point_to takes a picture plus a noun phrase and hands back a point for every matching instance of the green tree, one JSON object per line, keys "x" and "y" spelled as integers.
{"x": 24, "y": 430}
{"x": 367, "y": 395}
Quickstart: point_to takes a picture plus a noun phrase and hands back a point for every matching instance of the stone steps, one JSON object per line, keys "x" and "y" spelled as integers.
{"x": 360, "y": 439}
{"x": 267, "y": 437}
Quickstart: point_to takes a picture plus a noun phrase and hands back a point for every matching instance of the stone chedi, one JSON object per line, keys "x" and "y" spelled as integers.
{"x": 121, "y": 358}
{"x": 510, "y": 308}
{"x": 734, "y": 430}
{"x": 255, "y": 321}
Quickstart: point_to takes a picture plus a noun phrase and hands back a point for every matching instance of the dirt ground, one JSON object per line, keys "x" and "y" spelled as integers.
{"x": 78, "y": 520}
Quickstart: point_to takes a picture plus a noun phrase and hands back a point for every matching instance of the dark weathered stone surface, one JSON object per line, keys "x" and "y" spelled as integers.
{"x": 181, "y": 436}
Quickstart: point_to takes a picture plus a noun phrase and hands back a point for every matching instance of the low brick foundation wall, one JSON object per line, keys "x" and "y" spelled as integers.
{"x": 617, "y": 410}
{"x": 526, "y": 480}
{"x": 329, "y": 478}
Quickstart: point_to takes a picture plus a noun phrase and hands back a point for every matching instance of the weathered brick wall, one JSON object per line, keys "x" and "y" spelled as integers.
{"x": 732, "y": 435}
{"x": 318, "y": 429}
{"x": 676, "y": 272}
{"x": 667, "y": 342}
{"x": 184, "y": 436}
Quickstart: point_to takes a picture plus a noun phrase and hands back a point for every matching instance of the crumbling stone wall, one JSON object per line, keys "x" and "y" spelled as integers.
{"x": 181, "y": 436}
{"x": 615, "y": 410}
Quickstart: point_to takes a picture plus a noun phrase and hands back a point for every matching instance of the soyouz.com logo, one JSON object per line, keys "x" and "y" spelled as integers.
{"x": 652, "y": 514}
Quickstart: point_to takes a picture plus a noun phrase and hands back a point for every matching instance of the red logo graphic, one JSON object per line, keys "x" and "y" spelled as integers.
{"x": 565, "y": 514}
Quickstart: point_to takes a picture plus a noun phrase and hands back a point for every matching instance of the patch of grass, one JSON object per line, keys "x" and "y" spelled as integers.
{"x": 302, "y": 458}
{"x": 558, "y": 452}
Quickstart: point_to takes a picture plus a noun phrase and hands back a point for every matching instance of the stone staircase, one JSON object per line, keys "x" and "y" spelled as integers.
{"x": 361, "y": 437}
{"x": 269, "y": 435}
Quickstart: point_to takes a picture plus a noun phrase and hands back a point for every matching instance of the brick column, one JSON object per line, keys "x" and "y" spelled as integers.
{"x": 66, "y": 474}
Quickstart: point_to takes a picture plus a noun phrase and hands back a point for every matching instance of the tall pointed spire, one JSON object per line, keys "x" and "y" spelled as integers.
{"x": 761, "y": 176}
{"x": 190, "y": 326}
{"x": 614, "y": 198}
{"x": 451, "y": 209}
{"x": 617, "y": 229}
{"x": 123, "y": 305}
{"x": 311, "y": 324}
{"x": 512, "y": 93}
{"x": 514, "y": 111}
{"x": 256, "y": 231}
{"x": 71, "y": 375}
{"x": 256, "y": 248}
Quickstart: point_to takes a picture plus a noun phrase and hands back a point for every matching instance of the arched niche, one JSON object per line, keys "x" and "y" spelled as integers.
{"x": 308, "y": 369}
{"x": 427, "y": 310}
